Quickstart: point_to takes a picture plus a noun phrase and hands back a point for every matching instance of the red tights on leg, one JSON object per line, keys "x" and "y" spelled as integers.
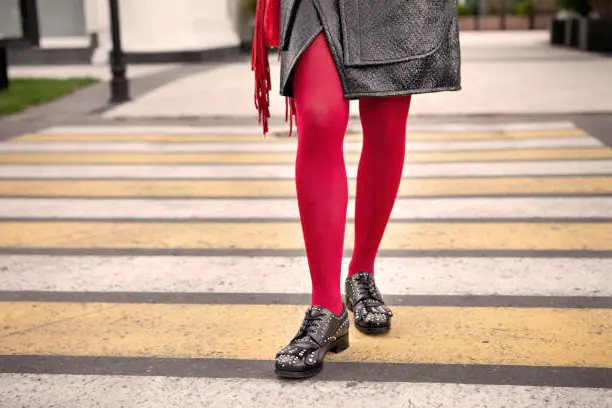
{"x": 322, "y": 192}
{"x": 321, "y": 182}
{"x": 383, "y": 121}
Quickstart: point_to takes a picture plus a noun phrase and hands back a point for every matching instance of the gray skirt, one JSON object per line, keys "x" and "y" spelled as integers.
{"x": 434, "y": 69}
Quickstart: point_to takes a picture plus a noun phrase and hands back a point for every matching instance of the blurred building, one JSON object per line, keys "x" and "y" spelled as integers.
{"x": 78, "y": 31}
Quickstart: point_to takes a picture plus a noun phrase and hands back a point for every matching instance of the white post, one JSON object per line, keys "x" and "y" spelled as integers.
{"x": 98, "y": 22}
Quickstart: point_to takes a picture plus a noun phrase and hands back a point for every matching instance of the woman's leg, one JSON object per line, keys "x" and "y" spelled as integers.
{"x": 379, "y": 174}
{"x": 322, "y": 193}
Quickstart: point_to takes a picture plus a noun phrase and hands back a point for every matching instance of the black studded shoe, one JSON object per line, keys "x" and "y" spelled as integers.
{"x": 371, "y": 314}
{"x": 321, "y": 331}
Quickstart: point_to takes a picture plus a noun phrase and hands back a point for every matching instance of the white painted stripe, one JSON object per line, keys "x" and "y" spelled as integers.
{"x": 491, "y": 127}
{"x": 412, "y": 127}
{"x": 160, "y": 130}
{"x": 283, "y": 171}
{"x": 395, "y": 276}
{"x": 267, "y": 146}
{"x": 525, "y": 126}
{"x": 287, "y": 208}
{"x": 72, "y": 391}
{"x": 65, "y": 42}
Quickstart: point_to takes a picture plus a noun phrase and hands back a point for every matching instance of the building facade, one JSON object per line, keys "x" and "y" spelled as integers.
{"x": 78, "y": 31}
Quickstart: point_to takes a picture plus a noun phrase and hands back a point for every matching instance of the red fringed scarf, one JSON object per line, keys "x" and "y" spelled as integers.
{"x": 267, "y": 34}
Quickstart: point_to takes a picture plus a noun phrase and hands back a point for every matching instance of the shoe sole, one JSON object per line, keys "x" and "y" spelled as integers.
{"x": 298, "y": 374}
{"x": 373, "y": 330}
{"x": 337, "y": 347}
{"x": 367, "y": 330}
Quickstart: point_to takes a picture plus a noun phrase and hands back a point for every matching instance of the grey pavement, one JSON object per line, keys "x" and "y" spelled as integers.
{"x": 503, "y": 73}
{"x": 511, "y": 74}
{"x": 95, "y": 100}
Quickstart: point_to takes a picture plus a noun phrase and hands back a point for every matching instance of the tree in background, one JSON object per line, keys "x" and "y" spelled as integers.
{"x": 581, "y": 7}
{"x": 603, "y": 8}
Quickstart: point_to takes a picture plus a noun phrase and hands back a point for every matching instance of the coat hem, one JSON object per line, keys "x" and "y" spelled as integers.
{"x": 335, "y": 53}
{"x": 289, "y": 77}
{"x": 357, "y": 95}
{"x": 333, "y": 39}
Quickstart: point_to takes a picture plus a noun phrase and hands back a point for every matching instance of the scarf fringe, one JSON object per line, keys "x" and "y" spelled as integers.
{"x": 260, "y": 65}
{"x": 290, "y": 113}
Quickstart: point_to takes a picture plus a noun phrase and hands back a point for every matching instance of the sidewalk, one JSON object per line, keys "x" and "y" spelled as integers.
{"x": 102, "y": 72}
{"x": 503, "y": 73}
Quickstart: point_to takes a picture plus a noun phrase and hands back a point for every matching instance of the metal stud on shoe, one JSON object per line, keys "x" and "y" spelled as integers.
{"x": 321, "y": 331}
{"x": 363, "y": 298}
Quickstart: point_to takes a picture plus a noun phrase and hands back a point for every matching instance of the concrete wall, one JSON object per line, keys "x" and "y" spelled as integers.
{"x": 10, "y": 19}
{"x": 96, "y": 15}
{"x": 177, "y": 25}
{"x": 148, "y": 26}
{"x": 61, "y": 22}
{"x": 61, "y": 18}
{"x": 153, "y": 26}
{"x": 167, "y": 25}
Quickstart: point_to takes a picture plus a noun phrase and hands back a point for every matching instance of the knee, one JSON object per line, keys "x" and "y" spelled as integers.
{"x": 323, "y": 115}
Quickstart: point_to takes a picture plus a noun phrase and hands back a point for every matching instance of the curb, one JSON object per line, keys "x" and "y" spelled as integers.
{"x": 83, "y": 56}
{"x": 218, "y": 54}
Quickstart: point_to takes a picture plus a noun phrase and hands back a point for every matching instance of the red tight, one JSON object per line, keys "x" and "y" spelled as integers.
{"x": 321, "y": 181}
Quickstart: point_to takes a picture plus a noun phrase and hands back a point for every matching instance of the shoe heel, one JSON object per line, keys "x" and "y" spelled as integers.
{"x": 349, "y": 305}
{"x": 341, "y": 344}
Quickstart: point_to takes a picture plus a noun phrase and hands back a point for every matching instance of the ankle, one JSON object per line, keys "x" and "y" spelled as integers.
{"x": 355, "y": 268}
{"x": 333, "y": 305}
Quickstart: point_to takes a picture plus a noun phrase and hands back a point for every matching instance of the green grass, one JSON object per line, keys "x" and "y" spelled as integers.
{"x": 23, "y": 93}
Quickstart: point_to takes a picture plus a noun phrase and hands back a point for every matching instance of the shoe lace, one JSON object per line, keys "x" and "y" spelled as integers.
{"x": 309, "y": 326}
{"x": 365, "y": 287}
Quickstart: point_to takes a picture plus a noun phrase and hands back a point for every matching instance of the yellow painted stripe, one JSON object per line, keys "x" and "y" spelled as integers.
{"x": 439, "y": 335}
{"x": 149, "y": 137}
{"x": 177, "y": 138}
{"x": 286, "y": 188}
{"x": 530, "y": 134}
{"x": 288, "y": 235}
{"x": 275, "y": 158}
{"x": 544, "y": 133}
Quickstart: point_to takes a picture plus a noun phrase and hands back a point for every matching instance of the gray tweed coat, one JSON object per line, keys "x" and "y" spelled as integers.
{"x": 380, "y": 47}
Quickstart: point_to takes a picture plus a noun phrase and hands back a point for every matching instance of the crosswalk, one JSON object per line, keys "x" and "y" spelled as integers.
{"x": 161, "y": 266}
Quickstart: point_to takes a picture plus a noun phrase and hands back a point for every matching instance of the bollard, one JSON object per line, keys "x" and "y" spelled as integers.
{"x": 119, "y": 82}
{"x": 4, "y": 81}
